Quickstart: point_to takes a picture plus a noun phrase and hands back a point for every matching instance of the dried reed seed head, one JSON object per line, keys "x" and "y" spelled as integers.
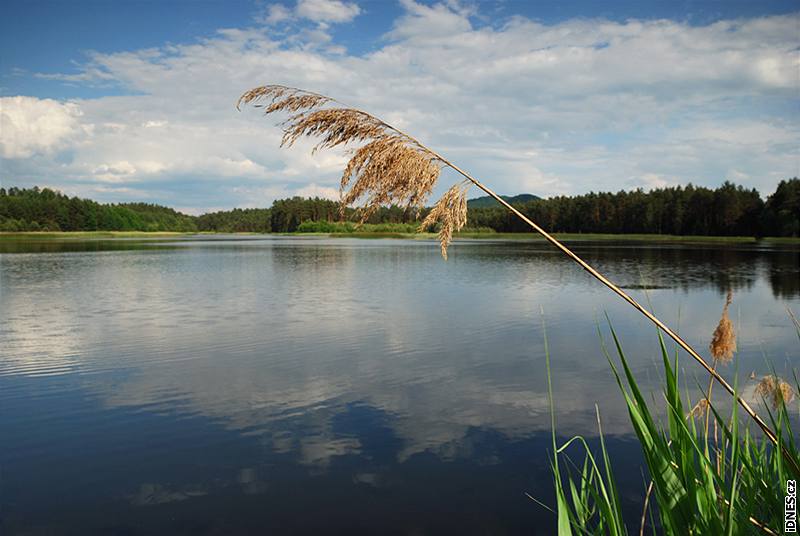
{"x": 336, "y": 126}
{"x": 775, "y": 390}
{"x": 700, "y": 408}
{"x": 723, "y": 342}
{"x": 282, "y": 98}
{"x": 391, "y": 168}
{"x": 451, "y": 213}
{"x": 388, "y": 171}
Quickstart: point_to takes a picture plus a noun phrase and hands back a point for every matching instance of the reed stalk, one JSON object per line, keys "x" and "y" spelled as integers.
{"x": 393, "y": 166}
{"x": 722, "y": 347}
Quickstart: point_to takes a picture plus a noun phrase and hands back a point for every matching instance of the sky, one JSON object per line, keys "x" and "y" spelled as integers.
{"x": 135, "y": 100}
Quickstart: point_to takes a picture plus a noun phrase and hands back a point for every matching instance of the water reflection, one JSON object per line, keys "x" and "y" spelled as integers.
{"x": 368, "y": 381}
{"x": 783, "y": 277}
{"x": 674, "y": 265}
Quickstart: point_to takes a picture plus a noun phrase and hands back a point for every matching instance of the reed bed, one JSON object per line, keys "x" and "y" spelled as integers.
{"x": 734, "y": 484}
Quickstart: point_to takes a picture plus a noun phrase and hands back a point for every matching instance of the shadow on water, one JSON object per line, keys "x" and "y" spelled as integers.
{"x": 77, "y": 246}
{"x": 28, "y": 244}
{"x": 658, "y": 265}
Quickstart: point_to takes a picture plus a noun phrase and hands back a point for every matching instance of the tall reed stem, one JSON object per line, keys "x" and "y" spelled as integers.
{"x": 708, "y": 395}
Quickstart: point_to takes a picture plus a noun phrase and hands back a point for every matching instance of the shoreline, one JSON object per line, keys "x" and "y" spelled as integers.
{"x": 111, "y": 235}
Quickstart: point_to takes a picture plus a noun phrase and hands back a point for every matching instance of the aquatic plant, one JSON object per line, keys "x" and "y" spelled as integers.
{"x": 722, "y": 347}
{"x": 776, "y": 390}
{"x": 739, "y": 490}
{"x": 723, "y": 341}
{"x": 393, "y": 167}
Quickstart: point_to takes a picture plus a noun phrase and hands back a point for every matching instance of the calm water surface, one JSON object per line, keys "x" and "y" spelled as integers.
{"x": 276, "y": 385}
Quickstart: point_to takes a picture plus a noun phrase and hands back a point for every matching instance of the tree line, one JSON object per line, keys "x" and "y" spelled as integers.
{"x": 36, "y": 209}
{"x": 728, "y": 210}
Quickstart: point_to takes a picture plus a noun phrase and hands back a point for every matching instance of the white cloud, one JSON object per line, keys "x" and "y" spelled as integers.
{"x": 327, "y": 10}
{"x": 314, "y": 190}
{"x": 737, "y": 176}
{"x": 652, "y": 180}
{"x": 277, "y": 13}
{"x": 322, "y": 12}
{"x": 30, "y": 126}
{"x": 547, "y": 109}
{"x": 430, "y": 22}
{"x": 114, "y": 172}
{"x": 308, "y": 24}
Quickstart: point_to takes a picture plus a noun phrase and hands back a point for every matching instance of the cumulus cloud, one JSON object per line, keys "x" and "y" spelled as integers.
{"x": 319, "y": 11}
{"x": 277, "y": 13}
{"x": 314, "y": 190}
{"x": 530, "y": 107}
{"x": 427, "y": 22}
{"x": 327, "y": 10}
{"x": 308, "y": 24}
{"x": 31, "y": 126}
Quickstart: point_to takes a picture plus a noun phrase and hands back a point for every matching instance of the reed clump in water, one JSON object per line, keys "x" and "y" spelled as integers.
{"x": 739, "y": 488}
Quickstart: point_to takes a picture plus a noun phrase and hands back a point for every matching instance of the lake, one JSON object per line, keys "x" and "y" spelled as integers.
{"x": 307, "y": 385}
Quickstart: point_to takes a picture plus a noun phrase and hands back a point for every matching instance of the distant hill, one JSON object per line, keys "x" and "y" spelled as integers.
{"x": 486, "y": 201}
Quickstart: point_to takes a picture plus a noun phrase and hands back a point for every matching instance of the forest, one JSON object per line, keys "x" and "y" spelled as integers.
{"x": 728, "y": 210}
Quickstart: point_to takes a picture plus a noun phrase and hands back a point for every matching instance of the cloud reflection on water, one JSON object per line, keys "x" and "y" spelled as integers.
{"x": 258, "y": 334}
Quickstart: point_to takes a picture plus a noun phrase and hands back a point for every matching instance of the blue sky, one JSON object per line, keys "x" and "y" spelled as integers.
{"x": 123, "y": 101}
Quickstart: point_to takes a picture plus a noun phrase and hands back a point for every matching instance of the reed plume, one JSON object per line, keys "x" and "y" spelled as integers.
{"x": 700, "y": 409}
{"x": 451, "y": 213}
{"x": 282, "y": 98}
{"x": 389, "y": 168}
{"x": 775, "y": 390}
{"x": 723, "y": 342}
{"x": 393, "y": 167}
